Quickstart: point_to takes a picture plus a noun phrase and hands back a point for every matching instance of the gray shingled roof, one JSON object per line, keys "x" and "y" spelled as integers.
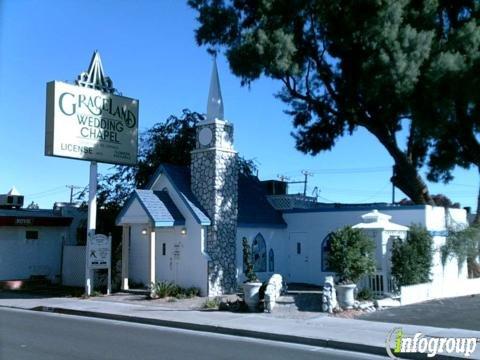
{"x": 180, "y": 179}
{"x": 253, "y": 206}
{"x": 159, "y": 207}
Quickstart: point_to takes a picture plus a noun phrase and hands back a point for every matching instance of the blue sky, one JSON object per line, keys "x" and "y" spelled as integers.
{"x": 148, "y": 49}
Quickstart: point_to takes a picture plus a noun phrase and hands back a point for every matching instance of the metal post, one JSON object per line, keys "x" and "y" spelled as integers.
{"x": 92, "y": 220}
{"x": 109, "y": 279}
{"x": 305, "y": 185}
{"x": 125, "y": 240}
{"x": 152, "y": 255}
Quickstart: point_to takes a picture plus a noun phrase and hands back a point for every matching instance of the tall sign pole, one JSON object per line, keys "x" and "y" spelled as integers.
{"x": 92, "y": 222}
{"x": 92, "y": 121}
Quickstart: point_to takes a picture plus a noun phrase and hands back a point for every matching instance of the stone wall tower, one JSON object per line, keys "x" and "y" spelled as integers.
{"x": 214, "y": 175}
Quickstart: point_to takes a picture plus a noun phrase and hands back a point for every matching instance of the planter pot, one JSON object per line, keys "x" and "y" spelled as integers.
{"x": 345, "y": 295}
{"x": 250, "y": 293}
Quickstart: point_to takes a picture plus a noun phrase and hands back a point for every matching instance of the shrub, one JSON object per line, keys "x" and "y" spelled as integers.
{"x": 162, "y": 289}
{"x": 351, "y": 254}
{"x": 192, "y": 292}
{"x": 211, "y": 303}
{"x": 412, "y": 258}
{"x": 247, "y": 262}
{"x": 365, "y": 294}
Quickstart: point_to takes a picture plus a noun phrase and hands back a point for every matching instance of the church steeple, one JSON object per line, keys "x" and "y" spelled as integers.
{"x": 214, "y": 181}
{"x": 215, "y": 101}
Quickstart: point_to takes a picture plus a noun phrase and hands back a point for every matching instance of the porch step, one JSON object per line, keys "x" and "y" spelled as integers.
{"x": 300, "y": 301}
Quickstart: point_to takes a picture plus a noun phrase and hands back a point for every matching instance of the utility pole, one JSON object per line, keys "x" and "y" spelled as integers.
{"x": 283, "y": 178}
{"x": 72, "y": 187}
{"x": 306, "y": 173}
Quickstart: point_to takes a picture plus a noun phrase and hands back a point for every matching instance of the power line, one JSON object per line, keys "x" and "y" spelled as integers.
{"x": 46, "y": 191}
{"x": 72, "y": 187}
{"x": 354, "y": 170}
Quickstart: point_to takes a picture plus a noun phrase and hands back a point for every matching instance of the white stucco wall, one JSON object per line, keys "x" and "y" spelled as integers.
{"x": 193, "y": 261}
{"x": 274, "y": 239}
{"x": 317, "y": 225}
{"x": 21, "y": 258}
{"x": 184, "y": 262}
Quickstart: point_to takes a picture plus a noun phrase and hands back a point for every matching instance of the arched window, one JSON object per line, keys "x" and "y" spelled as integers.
{"x": 326, "y": 246}
{"x": 271, "y": 261}
{"x": 259, "y": 254}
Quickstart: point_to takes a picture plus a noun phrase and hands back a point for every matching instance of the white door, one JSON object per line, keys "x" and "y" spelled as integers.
{"x": 298, "y": 258}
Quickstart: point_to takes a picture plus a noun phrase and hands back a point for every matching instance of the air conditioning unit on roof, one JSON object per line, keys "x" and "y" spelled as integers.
{"x": 11, "y": 200}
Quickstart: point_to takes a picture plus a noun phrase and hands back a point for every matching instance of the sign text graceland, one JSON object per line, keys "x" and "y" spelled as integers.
{"x": 88, "y": 124}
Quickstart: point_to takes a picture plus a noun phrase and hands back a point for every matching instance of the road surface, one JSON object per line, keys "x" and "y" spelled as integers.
{"x": 41, "y": 336}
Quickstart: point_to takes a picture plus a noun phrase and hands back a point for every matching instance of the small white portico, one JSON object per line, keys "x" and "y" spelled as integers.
{"x": 147, "y": 211}
{"x": 377, "y": 226}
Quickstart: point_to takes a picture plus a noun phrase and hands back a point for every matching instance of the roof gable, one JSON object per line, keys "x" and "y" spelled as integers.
{"x": 179, "y": 177}
{"x": 158, "y": 206}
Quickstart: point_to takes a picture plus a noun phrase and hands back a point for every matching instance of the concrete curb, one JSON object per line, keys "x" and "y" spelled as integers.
{"x": 325, "y": 343}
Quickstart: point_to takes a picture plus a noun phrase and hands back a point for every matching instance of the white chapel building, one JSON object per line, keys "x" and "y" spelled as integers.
{"x": 187, "y": 225}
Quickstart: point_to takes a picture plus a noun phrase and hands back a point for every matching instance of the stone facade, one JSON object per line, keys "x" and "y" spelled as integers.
{"x": 214, "y": 172}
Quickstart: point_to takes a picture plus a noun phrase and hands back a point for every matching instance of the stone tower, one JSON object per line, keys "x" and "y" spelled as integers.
{"x": 214, "y": 172}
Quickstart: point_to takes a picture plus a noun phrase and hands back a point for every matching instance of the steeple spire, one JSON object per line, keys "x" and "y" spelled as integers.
{"x": 215, "y": 101}
{"x": 94, "y": 77}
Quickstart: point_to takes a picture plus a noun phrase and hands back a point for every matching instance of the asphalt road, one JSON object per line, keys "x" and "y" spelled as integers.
{"x": 41, "y": 336}
{"x": 460, "y": 313}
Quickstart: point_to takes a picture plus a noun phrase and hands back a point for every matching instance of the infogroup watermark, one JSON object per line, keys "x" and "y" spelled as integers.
{"x": 398, "y": 343}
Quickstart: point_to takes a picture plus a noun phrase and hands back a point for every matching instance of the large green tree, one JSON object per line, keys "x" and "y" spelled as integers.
{"x": 452, "y": 80}
{"x": 344, "y": 64}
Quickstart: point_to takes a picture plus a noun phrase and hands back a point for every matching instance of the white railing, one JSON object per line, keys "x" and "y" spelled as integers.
{"x": 378, "y": 283}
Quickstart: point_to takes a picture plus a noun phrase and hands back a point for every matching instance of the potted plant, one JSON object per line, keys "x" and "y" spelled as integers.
{"x": 351, "y": 257}
{"x": 252, "y": 285}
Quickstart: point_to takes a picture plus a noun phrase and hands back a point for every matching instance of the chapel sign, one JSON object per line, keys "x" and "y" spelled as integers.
{"x": 92, "y": 121}
{"x": 90, "y": 124}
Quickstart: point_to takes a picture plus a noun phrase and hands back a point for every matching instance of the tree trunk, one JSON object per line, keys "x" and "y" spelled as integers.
{"x": 407, "y": 179}
{"x": 405, "y": 176}
{"x": 472, "y": 263}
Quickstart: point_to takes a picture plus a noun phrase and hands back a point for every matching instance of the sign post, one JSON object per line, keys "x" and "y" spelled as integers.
{"x": 92, "y": 221}
{"x": 91, "y": 121}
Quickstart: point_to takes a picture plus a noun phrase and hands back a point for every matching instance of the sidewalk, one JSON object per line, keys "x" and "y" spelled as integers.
{"x": 323, "y": 331}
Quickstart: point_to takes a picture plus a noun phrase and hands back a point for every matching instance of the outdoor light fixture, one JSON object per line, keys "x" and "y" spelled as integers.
{"x": 144, "y": 231}
{"x": 183, "y": 231}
